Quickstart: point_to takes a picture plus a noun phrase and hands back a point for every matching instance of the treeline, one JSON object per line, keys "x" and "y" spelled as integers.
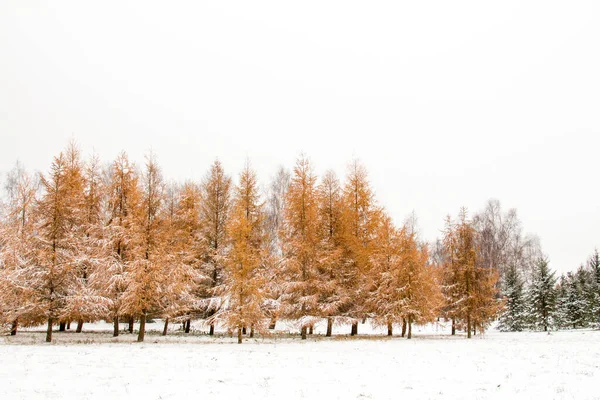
{"x": 573, "y": 301}
{"x": 86, "y": 242}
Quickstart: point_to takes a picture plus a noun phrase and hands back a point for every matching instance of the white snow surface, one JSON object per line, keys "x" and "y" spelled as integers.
{"x": 432, "y": 365}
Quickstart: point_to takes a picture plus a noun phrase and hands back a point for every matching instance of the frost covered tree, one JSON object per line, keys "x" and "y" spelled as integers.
{"x": 404, "y": 285}
{"x": 275, "y": 206}
{"x": 16, "y": 230}
{"x": 86, "y": 301}
{"x": 299, "y": 271}
{"x": 469, "y": 287}
{"x": 50, "y": 273}
{"x": 572, "y": 304}
{"x": 214, "y": 213}
{"x": 329, "y": 247}
{"x": 501, "y": 242}
{"x": 593, "y": 289}
{"x": 387, "y": 300}
{"x": 542, "y": 296}
{"x": 360, "y": 220}
{"x": 514, "y": 315}
{"x": 146, "y": 272}
{"x": 243, "y": 279}
{"x": 182, "y": 274}
{"x": 123, "y": 202}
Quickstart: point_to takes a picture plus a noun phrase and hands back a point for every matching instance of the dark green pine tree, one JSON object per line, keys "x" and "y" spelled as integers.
{"x": 541, "y": 296}
{"x": 594, "y": 289}
{"x": 514, "y": 315}
{"x": 561, "y": 319}
{"x": 573, "y": 304}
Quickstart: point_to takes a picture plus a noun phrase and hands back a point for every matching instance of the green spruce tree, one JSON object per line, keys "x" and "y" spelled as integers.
{"x": 514, "y": 316}
{"x": 541, "y": 296}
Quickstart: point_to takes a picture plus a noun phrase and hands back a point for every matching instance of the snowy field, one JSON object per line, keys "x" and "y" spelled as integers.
{"x": 433, "y": 365}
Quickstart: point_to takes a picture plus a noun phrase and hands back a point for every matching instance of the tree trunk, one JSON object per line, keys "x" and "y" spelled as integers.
{"x": 14, "y": 327}
{"x": 49, "y": 330}
{"x": 390, "y": 328}
{"x": 364, "y": 320}
{"x": 131, "y": 320}
{"x": 79, "y": 326}
{"x": 166, "y": 327}
{"x": 211, "y": 330}
{"x": 251, "y": 331}
{"x": 115, "y": 326}
{"x": 272, "y": 323}
{"x": 453, "y": 327}
{"x": 310, "y": 330}
{"x": 409, "y": 335}
{"x": 354, "y": 330}
{"x": 329, "y": 326}
{"x": 239, "y": 335}
{"x": 62, "y": 326}
{"x": 244, "y": 330}
{"x": 188, "y": 323}
{"x": 468, "y": 326}
{"x": 303, "y": 333}
{"x": 69, "y": 325}
{"x": 403, "y": 327}
{"x": 142, "y": 332}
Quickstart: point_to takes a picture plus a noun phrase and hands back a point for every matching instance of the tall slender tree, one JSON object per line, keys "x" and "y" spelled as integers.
{"x": 300, "y": 270}
{"x": 146, "y": 273}
{"x": 16, "y": 235}
{"x": 214, "y": 214}
{"x": 244, "y": 281}
{"x": 361, "y": 217}
{"x": 123, "y": 202}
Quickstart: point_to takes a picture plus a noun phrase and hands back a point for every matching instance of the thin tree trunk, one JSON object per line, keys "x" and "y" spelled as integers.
{"x": 49, "y": 330}
{"x": 142, "y": 332}
{"x": 188, "y": 323}
{"x": 79, "y": 326}
{"x": 115, "y": 326}
{"x": 251, "y": 331}
{"x": 403, "y": 327}
{"x": 272, "y": 323}
{"x": 62, "y": 326}
{"x": 211, "y": 330}
{"x": 239, "y": 335}
{"x": 303, "y": 333}
{"x": 14, "y": 327}
{"x": 468, "y": 326}
{"x": 310, "y": 330}
{"x": 364, "y": 320}
{"x": 409, "y": 335}
{"x": 69, "y": 325}
{"x": 244, "y": 330}
{"x": 166, "y": 327}
{"x": 354, "y": 330}
{"x": 329, "y": 326}
{"x": 453, "y": 327}
{"x": 390, "y": 328}
{"x": 131, "y": 320}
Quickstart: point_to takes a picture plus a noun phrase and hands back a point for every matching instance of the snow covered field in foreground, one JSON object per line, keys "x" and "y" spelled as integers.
{"x": 433, "y": 365}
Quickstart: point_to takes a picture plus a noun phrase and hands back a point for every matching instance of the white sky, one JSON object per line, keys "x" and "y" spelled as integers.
{"x": 446, "y": 103}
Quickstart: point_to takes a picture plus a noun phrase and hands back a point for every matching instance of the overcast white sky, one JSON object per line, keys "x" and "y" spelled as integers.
{"x": 446, "y": 103}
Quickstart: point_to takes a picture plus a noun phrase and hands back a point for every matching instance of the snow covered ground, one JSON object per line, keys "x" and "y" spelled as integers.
{"x": 433, "y": 365}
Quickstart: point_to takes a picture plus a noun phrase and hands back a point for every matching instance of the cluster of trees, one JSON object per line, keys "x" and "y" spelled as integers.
{"x": 573, "y": 301}
{"x": 87, "y": 241}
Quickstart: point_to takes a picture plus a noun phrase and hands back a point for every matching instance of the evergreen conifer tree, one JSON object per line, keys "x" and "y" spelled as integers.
{"x": 513, "y": 317}
{"x": 542, "y": 296}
